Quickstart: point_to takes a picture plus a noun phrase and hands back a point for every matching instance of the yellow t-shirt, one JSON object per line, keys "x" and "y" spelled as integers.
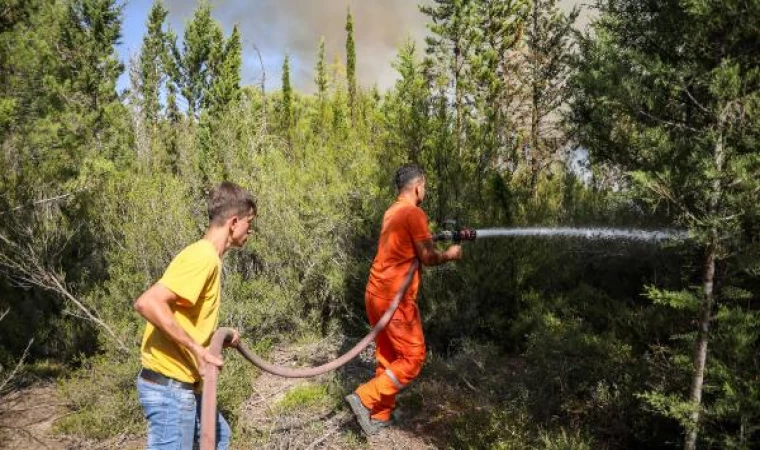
{"x": 194, "y": 275}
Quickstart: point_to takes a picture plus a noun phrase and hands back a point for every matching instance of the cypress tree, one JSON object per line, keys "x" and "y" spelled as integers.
{"x": 287, "y": 98}
{"x": 321, "y": 76}
{"x": 351, "y": 65}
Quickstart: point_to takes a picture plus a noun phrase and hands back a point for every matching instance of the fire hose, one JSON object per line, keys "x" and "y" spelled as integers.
{"x": 208, "y": 400}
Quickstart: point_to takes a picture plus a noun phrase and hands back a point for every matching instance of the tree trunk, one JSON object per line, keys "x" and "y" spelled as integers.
{"x": 708, "y": 278}
{"x": 535, "y": 163}
{"x": 458, "y": 97}
{"x": 700, "y": 352}
{"x": 459, "y": 124}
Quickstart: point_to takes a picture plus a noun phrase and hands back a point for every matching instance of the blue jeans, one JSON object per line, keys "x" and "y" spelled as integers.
{"x": 174, "y": 415}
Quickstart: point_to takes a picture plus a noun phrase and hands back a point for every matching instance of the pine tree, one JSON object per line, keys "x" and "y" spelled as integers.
{"x": 224, "y": 71}
{"x": 453, "y": 28}
{"x": 501, "y": 28}
{"x": 203, "y": 41}
{"x": 406, "y": 107}
{"x": 550, "y": 47}
{"x": 152, "y": 57}
{"x": 666, "y": 91}
{"x": 351, "y": 65}
{"x": 59, "y": 103}
{"x": 91, "y": 64}
{"x": 450, "y": 49}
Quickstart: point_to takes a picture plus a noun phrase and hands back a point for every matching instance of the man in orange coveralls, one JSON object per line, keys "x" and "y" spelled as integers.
{"x": 401, "y": 345}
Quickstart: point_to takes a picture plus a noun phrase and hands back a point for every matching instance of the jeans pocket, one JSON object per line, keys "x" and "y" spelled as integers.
{"x": 151, "y": 394}
{"x": 186, "y": 399}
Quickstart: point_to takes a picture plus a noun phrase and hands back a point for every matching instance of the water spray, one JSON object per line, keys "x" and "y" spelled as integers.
{"x": 452, "y": 234}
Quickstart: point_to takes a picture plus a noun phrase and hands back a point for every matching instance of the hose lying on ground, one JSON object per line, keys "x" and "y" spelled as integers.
{"x": 208, "y": 406}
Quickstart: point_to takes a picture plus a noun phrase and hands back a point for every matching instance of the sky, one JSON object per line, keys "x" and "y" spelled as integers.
{"x": 294, "y": 27}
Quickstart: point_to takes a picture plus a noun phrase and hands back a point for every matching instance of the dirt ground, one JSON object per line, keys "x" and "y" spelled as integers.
{"x": 442, "y": 395}
{"x": 27, "y": 417}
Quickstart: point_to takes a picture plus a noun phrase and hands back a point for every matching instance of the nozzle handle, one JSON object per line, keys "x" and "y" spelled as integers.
{"x": 465, "y": 234}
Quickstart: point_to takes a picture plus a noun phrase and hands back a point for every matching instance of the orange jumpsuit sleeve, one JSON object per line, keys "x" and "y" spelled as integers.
{"x": 417, "y": 224}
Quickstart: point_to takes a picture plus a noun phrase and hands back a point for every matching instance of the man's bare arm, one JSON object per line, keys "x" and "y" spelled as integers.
{"x": 429, "y": 256}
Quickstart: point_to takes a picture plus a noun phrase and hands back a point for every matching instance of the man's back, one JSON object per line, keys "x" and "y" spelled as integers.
{"x": 404, "y": 223}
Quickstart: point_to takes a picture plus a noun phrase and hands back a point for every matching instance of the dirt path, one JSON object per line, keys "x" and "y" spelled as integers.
{"x": 27, "y": 416}
{"x": 321, "y": 425}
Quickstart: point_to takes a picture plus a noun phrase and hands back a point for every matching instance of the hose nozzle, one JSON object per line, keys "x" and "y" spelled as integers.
{"x": 464, "y": 234}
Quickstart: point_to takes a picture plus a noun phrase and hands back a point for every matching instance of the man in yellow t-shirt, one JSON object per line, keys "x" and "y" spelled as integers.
{"x": 182, "y": 310}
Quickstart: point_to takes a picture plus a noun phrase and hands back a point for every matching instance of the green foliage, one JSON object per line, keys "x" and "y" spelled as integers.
{"x": 405, "y": 111}
{"x": 304, "y": 396}
{"x": 582, "y": 372}
{"x": 96, "y": 415}
{"x": 509, "y": 428}
{"x": 224, "y": 87}
{"x": 502, "y": 429}
{"x": 678, "y": 300}
{"x": 564, "y": 440}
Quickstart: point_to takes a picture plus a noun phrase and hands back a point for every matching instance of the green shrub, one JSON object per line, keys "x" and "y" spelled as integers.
{"x": 563, "y": 440}
{"x": 103, "y": 398}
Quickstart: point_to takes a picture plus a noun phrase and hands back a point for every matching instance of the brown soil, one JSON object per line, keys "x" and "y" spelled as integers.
{"x": 330, "y": 426}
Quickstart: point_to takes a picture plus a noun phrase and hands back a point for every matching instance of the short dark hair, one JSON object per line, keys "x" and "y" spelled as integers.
{"x": 228, "y": 199}
{"x": 407, "y": 174}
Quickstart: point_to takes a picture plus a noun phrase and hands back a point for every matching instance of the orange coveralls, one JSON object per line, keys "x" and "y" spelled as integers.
{"x": 400, "y": 351}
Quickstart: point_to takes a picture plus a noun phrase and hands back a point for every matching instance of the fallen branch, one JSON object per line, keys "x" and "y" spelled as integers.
{"x": 92, "y": 317}
{"x": 18, "y": 366}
